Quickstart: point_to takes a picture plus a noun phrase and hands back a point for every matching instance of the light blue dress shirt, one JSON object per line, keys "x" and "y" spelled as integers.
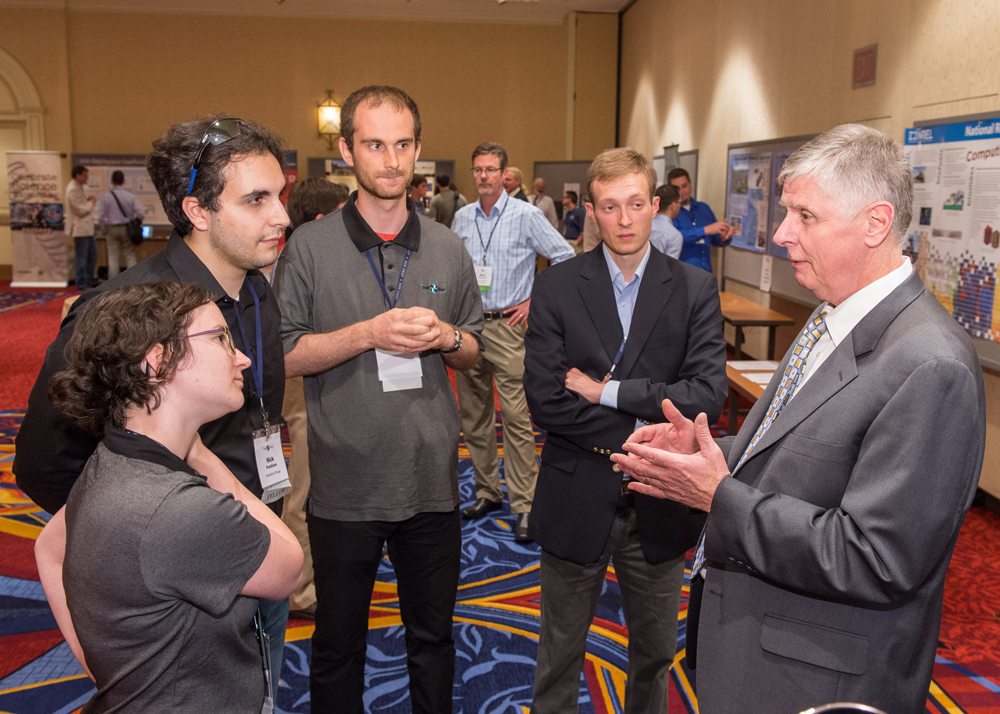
{"x": 625, "y": 295}
{"x": 665, "y": 238}
{"x": 507, "y": 240}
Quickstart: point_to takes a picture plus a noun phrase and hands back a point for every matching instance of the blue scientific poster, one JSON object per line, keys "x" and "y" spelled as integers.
{"x": 749, "y": 198}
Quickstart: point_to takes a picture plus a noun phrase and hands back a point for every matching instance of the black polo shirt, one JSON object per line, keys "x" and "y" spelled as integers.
{"x": 50, "y": 452}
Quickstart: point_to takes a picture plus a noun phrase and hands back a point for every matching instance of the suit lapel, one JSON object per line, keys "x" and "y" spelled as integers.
{"x": 654, "y": 292}
{"x": 839, "y": 369}
{"x": 598, "y": 296}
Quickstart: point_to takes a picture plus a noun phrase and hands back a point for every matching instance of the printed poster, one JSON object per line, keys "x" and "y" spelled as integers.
{"x": 137, "y": 180}
{"x": 954, "y": 233}
{"x": 749, "y": 197}
{"x": 38, "y": 241}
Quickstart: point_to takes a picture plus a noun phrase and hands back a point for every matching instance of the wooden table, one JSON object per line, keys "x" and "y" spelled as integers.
{"x": 739, "y": 384}
{"x": 740, "y": 312}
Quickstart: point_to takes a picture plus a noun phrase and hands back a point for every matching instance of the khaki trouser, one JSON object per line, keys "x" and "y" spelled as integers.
{"x": 294, "y": 411}
{"x": 115, "y": 239}
{"x": 503, "y": 361}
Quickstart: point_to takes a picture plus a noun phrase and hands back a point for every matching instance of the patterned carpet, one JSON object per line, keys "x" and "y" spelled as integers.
{"x": 496, "y": 623}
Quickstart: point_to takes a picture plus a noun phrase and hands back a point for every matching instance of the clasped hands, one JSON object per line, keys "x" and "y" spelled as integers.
{"x": 678, "y": 460}
{"x": 414, "y": 329}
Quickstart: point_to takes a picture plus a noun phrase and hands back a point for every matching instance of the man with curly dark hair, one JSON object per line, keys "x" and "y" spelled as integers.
{"x": 218, "y": 179}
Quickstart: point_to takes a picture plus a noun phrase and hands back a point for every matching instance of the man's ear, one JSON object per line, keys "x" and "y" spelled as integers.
{"x": 416, "y": 154}
{"x": 196, "y": 213}
{"x": 590, "y": 210}
{"x": 656, "y": 204}
{"x": 878, "y": 224}
{"x": 318, "y": 216}
{"x": 345, "y": 151}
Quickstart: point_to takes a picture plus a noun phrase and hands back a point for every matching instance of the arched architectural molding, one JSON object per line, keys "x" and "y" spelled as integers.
{"x": 29, "y": 104}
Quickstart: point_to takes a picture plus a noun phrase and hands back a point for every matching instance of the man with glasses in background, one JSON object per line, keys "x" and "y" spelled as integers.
{"x": 219, "y": 181}
{"x": 502, "y": 235}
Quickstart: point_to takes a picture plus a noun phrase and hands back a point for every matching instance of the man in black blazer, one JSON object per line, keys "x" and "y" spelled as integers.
{"x": 613, "y": 333}
{"x": 835, "y": 510}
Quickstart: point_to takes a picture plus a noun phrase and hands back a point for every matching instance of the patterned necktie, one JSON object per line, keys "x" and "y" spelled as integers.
{"x": 790, "y": 381}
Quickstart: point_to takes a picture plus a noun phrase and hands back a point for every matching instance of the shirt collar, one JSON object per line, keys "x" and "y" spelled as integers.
{"x": 366, "y": 239}
{"x": 843, "y": 318}
{"x": 136, "y": 446}
{"x": 190, "y": 269}
{"x": 615, "y": 271}
{"x": 498, "y": 206}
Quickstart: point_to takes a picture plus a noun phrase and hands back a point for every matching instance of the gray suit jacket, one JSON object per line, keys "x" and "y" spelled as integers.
{"x": 828, "y": 549}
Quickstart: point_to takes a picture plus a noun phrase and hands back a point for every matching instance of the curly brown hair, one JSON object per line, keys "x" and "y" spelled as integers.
{"x": 105, "y": 358}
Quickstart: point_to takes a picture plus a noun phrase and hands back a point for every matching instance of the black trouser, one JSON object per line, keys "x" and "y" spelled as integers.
{"x": 425, "y": 551}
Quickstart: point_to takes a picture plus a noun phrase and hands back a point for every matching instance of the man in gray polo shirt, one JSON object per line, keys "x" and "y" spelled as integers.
{"x": 375, "y": 302}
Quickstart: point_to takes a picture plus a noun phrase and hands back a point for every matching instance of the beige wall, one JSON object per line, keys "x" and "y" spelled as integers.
{"x": 743, "y": 70}
{"x": 112, "y": 82}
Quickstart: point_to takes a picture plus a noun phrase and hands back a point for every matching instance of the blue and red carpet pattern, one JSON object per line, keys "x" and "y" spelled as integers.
{"x": 496, "y": 617}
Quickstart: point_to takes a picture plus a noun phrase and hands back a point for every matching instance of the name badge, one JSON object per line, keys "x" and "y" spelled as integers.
{"x": 271, "y": 463}
{"x": 484, "y": 275}
{"x": 399, "y": 370}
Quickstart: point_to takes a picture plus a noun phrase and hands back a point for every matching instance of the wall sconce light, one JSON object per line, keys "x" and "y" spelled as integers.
{"x": 328, "y": 116}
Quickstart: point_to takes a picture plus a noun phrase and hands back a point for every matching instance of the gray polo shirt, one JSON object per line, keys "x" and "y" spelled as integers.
{"x": 377, "y": 455}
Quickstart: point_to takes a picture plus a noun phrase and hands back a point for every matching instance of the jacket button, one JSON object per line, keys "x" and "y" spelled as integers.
{"x": 595, "y": 449}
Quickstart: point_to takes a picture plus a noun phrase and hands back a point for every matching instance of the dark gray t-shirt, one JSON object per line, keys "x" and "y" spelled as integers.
{"x": 377, "y": 455}
{"x": 155, "y": 560}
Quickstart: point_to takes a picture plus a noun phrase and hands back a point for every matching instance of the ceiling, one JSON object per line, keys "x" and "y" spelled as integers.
{"x": 508, "y": 11}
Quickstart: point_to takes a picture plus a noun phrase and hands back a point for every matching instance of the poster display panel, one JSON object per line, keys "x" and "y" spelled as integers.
{"x": 778, "y": 211}
{"x": 954, "y": 233}
{"x": 38, "y": 241}
{"x": 749, "y": 182}
{"x": 137, "y": 180}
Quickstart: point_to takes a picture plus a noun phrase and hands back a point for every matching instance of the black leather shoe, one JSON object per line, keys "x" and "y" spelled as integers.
{"x": 521, "y": 529}
{"x": 480, "y": 508}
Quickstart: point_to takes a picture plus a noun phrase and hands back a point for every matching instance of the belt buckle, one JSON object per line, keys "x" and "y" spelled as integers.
{"x": 625, "y": 488}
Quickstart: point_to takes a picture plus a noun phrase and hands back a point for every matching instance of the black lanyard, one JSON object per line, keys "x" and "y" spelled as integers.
{"x": 618, "y": 357}
{"x": 492, "y": 230}
{"x": 402, "y": 273}
{"x": 256, "y": 362}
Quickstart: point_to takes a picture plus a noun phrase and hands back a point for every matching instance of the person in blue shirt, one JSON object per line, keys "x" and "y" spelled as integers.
{"x": 697, "y": 224}
{"x": 573, "y": 217}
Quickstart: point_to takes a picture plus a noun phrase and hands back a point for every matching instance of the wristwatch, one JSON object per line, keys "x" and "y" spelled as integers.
{"x": 458, "y": 342}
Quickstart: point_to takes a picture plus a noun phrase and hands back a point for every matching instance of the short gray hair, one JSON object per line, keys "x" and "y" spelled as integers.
{"x": 856, "y": 166}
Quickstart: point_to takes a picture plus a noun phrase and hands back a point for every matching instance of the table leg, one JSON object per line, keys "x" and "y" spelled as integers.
{"x": 770, "y": 341}
{"x": 738, "y": 347}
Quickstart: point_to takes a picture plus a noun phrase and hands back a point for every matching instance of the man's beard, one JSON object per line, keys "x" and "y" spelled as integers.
{"x": 369, "y": 182}
{"x": 237, "y": 252}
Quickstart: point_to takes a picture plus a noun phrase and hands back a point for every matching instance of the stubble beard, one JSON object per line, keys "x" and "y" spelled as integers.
{"x": 236, "y": 251}
{"x": 369, "y": 182}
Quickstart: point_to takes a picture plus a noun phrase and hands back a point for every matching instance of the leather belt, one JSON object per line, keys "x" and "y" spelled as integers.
{"x": 493, "y": 314}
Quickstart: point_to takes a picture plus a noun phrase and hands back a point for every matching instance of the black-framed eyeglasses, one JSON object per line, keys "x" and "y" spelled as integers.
{"x": 491, "y": 170}
{"x": 218, "y": 132}
{"x": 228, "y": 342}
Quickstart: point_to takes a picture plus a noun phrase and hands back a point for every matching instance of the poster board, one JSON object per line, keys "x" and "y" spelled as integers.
{"x": 954, "y": 233}
{"x": 752, "y": 206}
{"x": 37, "y": 227}
{"x": 137, "y": 180}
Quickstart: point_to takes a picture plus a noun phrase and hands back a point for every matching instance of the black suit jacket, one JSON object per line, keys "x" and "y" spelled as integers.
{"x": 675, "y": 350}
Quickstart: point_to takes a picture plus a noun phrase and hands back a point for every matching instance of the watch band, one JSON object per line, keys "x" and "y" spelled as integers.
{"x": 458, "y": 343}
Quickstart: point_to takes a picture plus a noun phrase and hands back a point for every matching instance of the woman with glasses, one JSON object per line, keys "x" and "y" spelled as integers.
{"x": 154, "y": 566}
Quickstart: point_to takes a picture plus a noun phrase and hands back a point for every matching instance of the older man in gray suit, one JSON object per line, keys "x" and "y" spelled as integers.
{"x": 834, "y": 512}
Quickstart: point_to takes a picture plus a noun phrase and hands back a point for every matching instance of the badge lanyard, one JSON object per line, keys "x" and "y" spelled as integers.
{"x": 492, "y": 231}
{"x": 399, "y": 286}
{"x": 256, "y": 363}
{"x": 618, "y": 357}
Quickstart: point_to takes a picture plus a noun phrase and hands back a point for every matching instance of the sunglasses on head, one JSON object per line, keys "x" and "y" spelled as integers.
{"x": 219, "y": 132}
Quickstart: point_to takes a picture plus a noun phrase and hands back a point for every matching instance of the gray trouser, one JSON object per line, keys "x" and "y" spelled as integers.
{"x": 650, "y": 600}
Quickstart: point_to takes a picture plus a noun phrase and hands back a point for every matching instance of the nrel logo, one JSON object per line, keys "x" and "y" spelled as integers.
{"x": 913, "y": 135}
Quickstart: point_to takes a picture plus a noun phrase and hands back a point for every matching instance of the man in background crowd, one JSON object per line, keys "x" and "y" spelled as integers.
{"x": 446, "y": 203}
{"x": 665, "y": 237}
{"x": 544, "y": 203}
{"x": 418, "y": 189}
{"x": 383, "y": 428}
{"x": 697, "y": 223}
{"x": 79, "y": 217}
{"x": 308, "y": 200}
{"x": 112, "y": 216}
{"x": 512, "y": 179}
{"x": 573, "y": 218}
{"x": 666, "y": 317}
{"x": 203, "y": 171}
{"x": 502, "y": 235}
